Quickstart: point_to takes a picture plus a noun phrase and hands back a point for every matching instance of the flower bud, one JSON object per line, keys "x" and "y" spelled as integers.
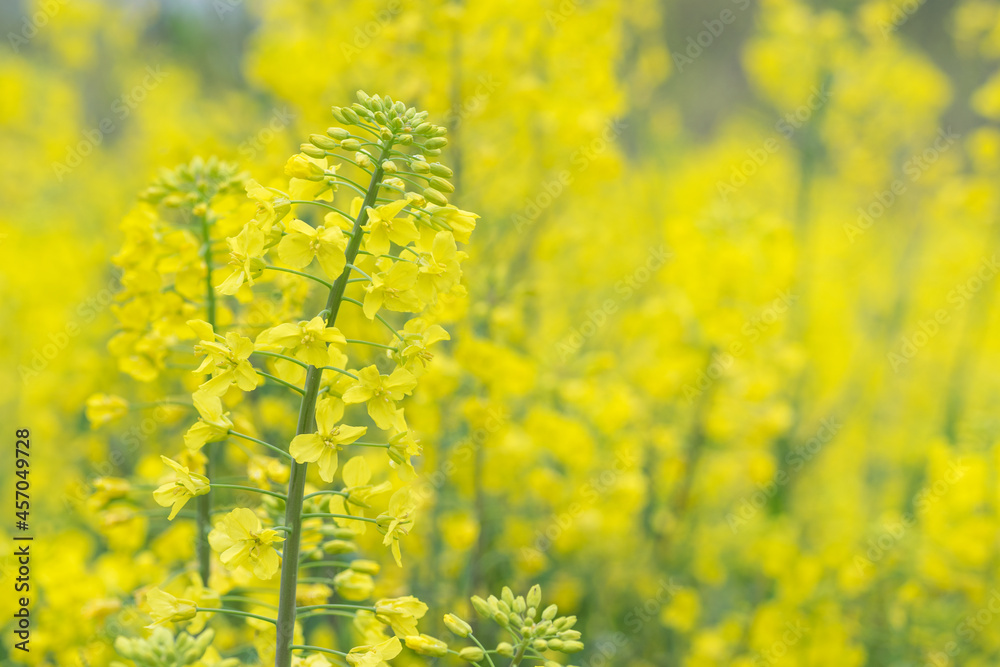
{"x": 482, "y": 607}
{"x": 534, "y": 595}
{"x": 501, "y": 619}
{"x": 435, "y": 142}
{"x": 441, "y": 184}
{"x": 338, "y": 113}
{"x": 420, "y": 167}
{"x": 471, "y": 654}
{"x": 299, "y": 166}
{"x": 457, "y": 626}
{"x": 539, "y": 644}
{"x": 365, "y": 566}
{"x": 350, "y": 144}
{"x": 338, "y": 133}
{"x": 405, "y": 139}
{"x": 505, "y": 649}
{"x": 389, "y": 167}
{"x": 423, "y": 128}
{"x": 349, "y": 116}
{"x": 312, "y": 151}
{"x": 322, "y": 141}
{"x": 380, "y": 118}
{"x": 339, "y": 547}
{"x": 572, "y": 647}
{"x": 555, "y": 644}
{"x": 550, "y": 612}
{"x": 363, "y": 159}
{"x": 435, "y": 197}
{"x": 426, "y": 645}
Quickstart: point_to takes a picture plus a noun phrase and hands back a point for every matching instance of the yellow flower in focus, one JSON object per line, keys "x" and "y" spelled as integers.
{"x": 227, "y": 361}
{"x": 460, "y": 222}
{"x": 246, "y": 251}
{"x": 241, "y": 540}
{"x": 271, "y": 206}
{"x": 417, "y": 336}
{"x": 165, "y": 608}
{"x": 185, "y": 486}
{"x": 401, "y": 613}
{"x": 397, "y": 520}
{"x": 375, "y": 656}
{"x": 383, "y": 226}
{"x": 213, "y": 426}
{"x": 324, "y": 445}
{"x": 381, "y": 392}
{"x": 392, "y": 288}
{"x": 303, "y": 242}
{"x": 306, "y": 341}
{"x": 104, "y": 409}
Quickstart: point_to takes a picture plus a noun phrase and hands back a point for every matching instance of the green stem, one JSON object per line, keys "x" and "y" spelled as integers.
{"x": 204, "y": 504}
{"x": 368, "y": 342}
{"x": 300, "y": 273}
{"x": 234, "y": 612}
{"x": 307, "y": 417}
{"x": 291, "y": 386}
{"x": 276, "y": 450}
{"x": 282, "y": 356}
{"x": 251, "y": 489}
{"x": 328, "y": 515}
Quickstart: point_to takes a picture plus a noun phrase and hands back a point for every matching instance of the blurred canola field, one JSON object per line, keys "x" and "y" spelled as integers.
{"x": 724, "y": 381}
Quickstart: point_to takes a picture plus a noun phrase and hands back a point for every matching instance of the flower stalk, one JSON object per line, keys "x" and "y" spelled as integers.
{"x": 306, "y": 424}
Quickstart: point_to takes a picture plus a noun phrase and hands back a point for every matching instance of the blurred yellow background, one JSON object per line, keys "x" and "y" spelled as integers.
{"x": 726, "y": 381}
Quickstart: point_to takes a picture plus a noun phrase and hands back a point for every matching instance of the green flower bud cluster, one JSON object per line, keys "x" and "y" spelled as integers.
{"x": 162, "y": 649}
{"x": 392, "y": 123}
{"x": 535, "y": 629}
{"x": 195, "y": 183}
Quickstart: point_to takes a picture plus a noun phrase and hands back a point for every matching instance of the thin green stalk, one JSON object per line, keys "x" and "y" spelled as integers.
{"x": 234, "y": 612}
{"x": 251, "y": 489}
{"x": 204, "y": 503}
{"x": 306, "y": 424}
{"x": 273, "y": 448}
{"x": 291, "y": 386}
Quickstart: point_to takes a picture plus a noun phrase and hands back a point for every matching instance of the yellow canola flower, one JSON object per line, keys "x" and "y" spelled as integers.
{"x": 324, "y": 445}
{"x": 310, "y": 177}
{"x": 306, "y": 341}
{"x": 214, "y": 424}
{"x": 353, "y": 585}
{"x": 241, "y": 541}
{"x": 412, "y": 351}
{"x": 438, "y": 264}
{"x": 381, "y": 392}
{"x": 271, "y": 206}
{"x": 103, "y": 409}
{"x": 227, "y": 361}
{"x": 375, "y": 656}
{"x": 165, "y": 608}
{"x": 392, "y": 288}
{"x": 303, "y": 243}
{"x": 460, "y": 222}
{"x": 383, "y": 226}
{"x": 401, "y": 614}
{"x": 246, "y": 251}
{"x": 356, "y": 475}
{"x": 397, "y": 520}
{"x": 183, "y": 488}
